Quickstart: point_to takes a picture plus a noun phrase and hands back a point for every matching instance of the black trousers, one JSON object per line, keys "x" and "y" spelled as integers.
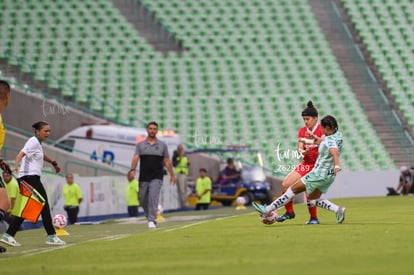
{"x": 72, "y": 212}
{"x": 133, "y": 210}
{"x": 46, "y": 215}
{"x": 200, "y": 206}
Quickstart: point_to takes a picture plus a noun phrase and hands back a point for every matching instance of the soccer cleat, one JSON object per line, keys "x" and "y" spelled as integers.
{"x": 340, "y": 214}
{"x": 152, "y": 225}
{"x": 7, "y": 239}
{"x": 259, "y": 208}
{"x": 54, "y": 240}
{"x": 313, "y": 221}
{"x": 286, "y": 216}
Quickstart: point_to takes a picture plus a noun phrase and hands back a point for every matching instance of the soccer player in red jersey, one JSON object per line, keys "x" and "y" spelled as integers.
{"x": 309, "y": 138}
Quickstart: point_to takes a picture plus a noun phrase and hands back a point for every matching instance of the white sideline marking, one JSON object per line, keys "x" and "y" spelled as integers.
{"x": 37, "y": 251}
{"x": 205, "y": 221}
{"x": 117, "y": 237}
{"x": 185, "y": 226}
{"x": 45, "y": 250}
{"x": 228, "y": 217}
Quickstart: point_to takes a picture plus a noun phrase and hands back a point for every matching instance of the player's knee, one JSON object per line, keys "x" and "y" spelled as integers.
{"x": 314, "y": 196}
{"x": 285, "y": 186}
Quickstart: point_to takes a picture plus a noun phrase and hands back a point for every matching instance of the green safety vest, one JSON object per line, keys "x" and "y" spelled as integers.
{"x": 182, "y": 166}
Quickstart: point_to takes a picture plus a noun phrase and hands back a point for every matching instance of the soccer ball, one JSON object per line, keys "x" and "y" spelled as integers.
{"x": 269, "y": 218}
{"x": 241, "y": 200}
{"x": 59, "y": 221}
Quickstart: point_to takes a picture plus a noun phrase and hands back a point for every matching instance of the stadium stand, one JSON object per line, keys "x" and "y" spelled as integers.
{"x": 386, "y": 28}
{"x": 248, "y": 70}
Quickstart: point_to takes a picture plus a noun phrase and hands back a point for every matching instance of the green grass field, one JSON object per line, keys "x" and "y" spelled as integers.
{"x": 377, "y": 237}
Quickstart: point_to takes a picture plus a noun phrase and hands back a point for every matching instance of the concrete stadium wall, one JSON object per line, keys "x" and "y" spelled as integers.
{"x": 353, "y": 184}
{"x": 24, "y": 109}
{"x": 350, "y": 184}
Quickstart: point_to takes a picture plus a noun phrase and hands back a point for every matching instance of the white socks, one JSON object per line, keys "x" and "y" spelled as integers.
{"x": 281, "y": 201}
{"x": 288, "y": 196}
{"x": 325, "y": 204}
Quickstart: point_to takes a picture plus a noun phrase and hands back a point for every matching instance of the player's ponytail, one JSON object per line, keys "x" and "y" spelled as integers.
{"x": 310, "y": 110}
{"x": 330, "y": 121}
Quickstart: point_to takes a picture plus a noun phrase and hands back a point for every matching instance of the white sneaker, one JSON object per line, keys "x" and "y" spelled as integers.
{"x": 54, "y": 240}
{"x": 7, "y": 239}
{"x": 152, "y": 225}
{"x": 340, "y": 214}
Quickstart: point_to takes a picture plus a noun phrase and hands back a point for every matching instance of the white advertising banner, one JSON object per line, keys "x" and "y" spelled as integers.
{"x": 350, "y": 184}
{"x": 106, "y": 196}
{"x": 103, "y": 196}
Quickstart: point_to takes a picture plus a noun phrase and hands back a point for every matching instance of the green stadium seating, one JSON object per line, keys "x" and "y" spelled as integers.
{"x": 386, "y": 28}
{"x": 248, "y": 70}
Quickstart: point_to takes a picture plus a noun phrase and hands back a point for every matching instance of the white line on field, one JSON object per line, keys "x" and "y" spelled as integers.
{"x": 24, "y": 251}
{"x": 37, "y": 251}
{"x": 117, "y": 237}
{"x": 44, "y": 250}
{"x": 223, "y": 218}
{"x": 185, "y": 226}
{"x": 47, "y": 250}
{"x": 197, "y": 223}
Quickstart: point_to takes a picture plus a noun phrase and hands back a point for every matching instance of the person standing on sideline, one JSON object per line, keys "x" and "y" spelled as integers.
{"x": 72, "y": 196}
{"x": 132, "y": 194}
{"x": 321, "y": 177}
{"x": 180, "y": 162}
{"x": 152, "y": 154}
{"x": 32, "y": 158}
{"x": 12, "y": 188}
{"x": 203, "y": 190}
{"x": 4, "y": 199}
{"x": 309, "y": 138}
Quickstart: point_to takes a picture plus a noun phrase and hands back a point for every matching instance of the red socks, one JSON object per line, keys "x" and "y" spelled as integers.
{"x": 312, "y": 210}
{"x": 289, "y": 207}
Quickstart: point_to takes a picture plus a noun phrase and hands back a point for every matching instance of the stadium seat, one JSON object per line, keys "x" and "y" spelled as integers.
{"x": 385, "y": 29}
{"x": 248, "y": 70}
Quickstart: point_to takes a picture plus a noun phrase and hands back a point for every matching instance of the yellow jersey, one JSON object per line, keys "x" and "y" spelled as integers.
{"x": 2, "y": 132}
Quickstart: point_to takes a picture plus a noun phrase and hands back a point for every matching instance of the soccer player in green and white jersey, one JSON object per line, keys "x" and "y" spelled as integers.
{"x": 322, "y": 175}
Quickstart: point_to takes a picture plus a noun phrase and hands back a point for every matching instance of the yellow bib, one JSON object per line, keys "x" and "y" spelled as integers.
{"x": 2, "y": 132}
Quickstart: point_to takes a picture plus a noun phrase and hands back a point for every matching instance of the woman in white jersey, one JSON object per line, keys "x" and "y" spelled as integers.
{"x": 322, "y": 175}
{"x": 4, "y": 199}
{"x": 32, "y": 158}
